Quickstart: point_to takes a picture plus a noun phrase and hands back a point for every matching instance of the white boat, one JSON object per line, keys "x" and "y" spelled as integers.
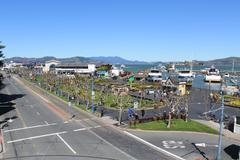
{"x": 213, "y": 75}
{"x": 155, "y": 75}
{"x": 186, "y": 74}
{"x": 122, "y": 66}
{"x": 227, "y": 75}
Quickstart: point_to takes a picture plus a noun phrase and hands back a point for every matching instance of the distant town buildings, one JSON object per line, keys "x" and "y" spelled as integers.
{"x": 50, "y": 65}
{"x": 174, "y": 84}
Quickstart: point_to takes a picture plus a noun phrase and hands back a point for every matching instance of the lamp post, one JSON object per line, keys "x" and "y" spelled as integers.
{"x": 218, "y": 157}
{"x": 93, "y": 93}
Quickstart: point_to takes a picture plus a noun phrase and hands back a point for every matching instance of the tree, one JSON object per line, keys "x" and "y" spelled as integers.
{"x": 1, "y": 61}
{"x": 1, "y": 55}
{"x": 172, "y": 101}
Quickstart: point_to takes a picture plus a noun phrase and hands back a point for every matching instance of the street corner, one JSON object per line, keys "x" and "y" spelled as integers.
{"x": 187, "y": 146}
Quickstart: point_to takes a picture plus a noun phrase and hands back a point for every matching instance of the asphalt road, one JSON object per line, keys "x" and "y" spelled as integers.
{"x": 40, "y": 130}
{"x": 191, "y": 146}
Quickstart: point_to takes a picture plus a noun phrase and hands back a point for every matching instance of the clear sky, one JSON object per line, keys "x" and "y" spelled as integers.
{"x": 149, "y": 30}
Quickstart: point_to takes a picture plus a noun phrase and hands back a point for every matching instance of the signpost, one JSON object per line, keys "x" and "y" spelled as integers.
{"x": 135, "y": 105}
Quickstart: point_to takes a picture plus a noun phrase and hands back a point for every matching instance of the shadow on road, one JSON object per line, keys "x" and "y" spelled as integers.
{"x": 4, "y": 98}
{"x": 6, "y": 107}
{"x": 2, "y": 85}
{"x": 233, "y": 151}
{"x": 5, "y": 102}
{"x": 201, "y": 152}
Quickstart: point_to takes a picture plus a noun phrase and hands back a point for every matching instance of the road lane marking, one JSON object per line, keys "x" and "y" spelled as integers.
{"x": 116, "y": 148}
{"x": 36, "y": 137}
{"x": 110, "y": 144}
{"x": 173, "y": 144}
{"x": 46, "y": 122}
{"x": 86, "y": 128}
{"x": 86, "y": 119}
{"x": 17, "y": 129}
{"x": 67, "y": 144}
{"x": 97, "y": 126}
{"x": 38, "y": 113}
{"x": 153, "y": 146}
{"x": 81, "y": 129}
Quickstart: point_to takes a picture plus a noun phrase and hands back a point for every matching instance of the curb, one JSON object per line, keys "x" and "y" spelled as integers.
{"x": 154, "y": 131}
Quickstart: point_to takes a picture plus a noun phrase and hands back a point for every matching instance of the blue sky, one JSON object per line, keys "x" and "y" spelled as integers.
{"x": 149, "y": 30}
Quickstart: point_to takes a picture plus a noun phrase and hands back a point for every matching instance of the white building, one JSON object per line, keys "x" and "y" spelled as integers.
{"x": 50, "y": 64}
{"x": 78, "y": 69}
{"x": 115, "y": 71}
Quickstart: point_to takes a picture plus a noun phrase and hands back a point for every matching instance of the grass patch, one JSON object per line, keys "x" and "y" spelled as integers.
{"x": 232, "y": 100}
{"x": 176, "y": 125}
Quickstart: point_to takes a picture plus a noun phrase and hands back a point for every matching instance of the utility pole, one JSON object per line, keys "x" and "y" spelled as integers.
{"x": 93, "y": 93}
{"x": 221, "y": 126}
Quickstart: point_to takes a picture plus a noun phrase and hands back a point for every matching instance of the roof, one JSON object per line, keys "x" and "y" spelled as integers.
{"x": 174, "y": 80}
{"x": 72, "y": 66}
{"x": 53, "y": 60}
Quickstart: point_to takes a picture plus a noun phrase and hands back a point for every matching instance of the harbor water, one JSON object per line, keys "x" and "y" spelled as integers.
{"x": 198, "y": 81}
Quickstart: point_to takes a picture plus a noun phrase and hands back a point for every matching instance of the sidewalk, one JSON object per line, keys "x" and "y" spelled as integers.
{"x": 108, "y": 120}
{"x": 216, "y": 126}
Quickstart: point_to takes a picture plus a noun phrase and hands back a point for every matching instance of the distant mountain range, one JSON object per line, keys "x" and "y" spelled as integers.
{"x": 223, "y": 61}
{"x": 76, "y": 60}
{"x": 72, "y": 60}
{"x": 115, "y": 60}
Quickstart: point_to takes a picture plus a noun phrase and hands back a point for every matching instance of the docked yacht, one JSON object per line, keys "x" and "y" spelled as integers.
{"x": 213, "y": 75}
{"x": 155, "y": 75}
{"x": 185, "y": 74}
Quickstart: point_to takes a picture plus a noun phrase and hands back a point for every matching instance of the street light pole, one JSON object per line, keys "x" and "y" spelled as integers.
{"x": 218, "y": 157}
{"x": 93, "y": 94}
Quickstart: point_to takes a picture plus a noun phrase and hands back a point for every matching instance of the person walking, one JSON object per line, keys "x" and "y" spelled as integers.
{"x": 142, "y": 112}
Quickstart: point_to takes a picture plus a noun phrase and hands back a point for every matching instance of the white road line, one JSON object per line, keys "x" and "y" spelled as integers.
{"x": 110, "y": 144}
{"x": 17, "y": 129}
{"x": 38, "y": 113}
{"x": 46, "y": 122}
{"x": 82, "y": 129}
{"x": 116, "y": 148}
{"x": 97, "y": 126}
{"x": 86, "y": 119}
{"x": 67, "y": 144}
{"x": 87, "y": 128}
{"x": 153, "y": 146}
{"x": 35, "y": 137}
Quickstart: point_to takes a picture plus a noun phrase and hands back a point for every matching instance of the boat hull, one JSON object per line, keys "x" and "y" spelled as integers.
{"x": 213, "y": 78}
